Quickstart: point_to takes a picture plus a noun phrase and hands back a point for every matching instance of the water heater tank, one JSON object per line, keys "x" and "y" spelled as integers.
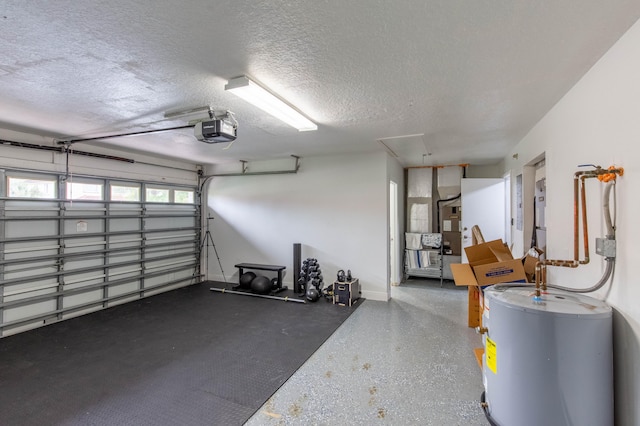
{"x": 548, "y": 362}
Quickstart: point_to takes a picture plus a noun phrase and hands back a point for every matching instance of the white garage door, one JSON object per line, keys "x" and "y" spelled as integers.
{"x": 69, "y": 246}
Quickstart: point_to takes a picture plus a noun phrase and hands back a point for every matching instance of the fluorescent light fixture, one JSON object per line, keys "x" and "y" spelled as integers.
{"x": 268, "y": 102}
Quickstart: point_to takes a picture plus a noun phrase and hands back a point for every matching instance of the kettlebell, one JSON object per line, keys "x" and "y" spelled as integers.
{"x": 313, "y": 294}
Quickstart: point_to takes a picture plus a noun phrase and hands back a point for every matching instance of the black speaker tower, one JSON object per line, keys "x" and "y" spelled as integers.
{"x": 297, "y": 262}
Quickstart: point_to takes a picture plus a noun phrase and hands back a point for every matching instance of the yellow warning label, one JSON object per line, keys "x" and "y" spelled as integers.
{"x": 491, "y": 356}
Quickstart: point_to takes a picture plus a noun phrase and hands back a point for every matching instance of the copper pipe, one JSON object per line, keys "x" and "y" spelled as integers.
{"x": 538, "y": 269}
{"x": 576, "y": 249}
{"x": 579, "y": 202}
{"x": 585, "y": 228}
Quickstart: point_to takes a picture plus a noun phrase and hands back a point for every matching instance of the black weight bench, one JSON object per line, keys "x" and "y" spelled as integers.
{"x": 260, "y": 267}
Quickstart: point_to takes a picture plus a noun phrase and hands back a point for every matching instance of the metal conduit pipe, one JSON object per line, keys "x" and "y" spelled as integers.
{"x": 607, "y": 211}
{"x": 605, "y": 277}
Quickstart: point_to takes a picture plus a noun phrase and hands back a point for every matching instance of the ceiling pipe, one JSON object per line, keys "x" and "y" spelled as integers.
{"x": 463, "y": 165}
{"x": 245, "y": 168}
{"x": 63, "y": 150}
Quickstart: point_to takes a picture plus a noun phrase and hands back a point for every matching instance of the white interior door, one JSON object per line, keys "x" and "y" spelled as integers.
{"x": 393, "y": 234}
{"x": 483, "y": 204}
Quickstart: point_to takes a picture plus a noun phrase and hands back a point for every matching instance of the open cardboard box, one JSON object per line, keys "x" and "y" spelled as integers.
{"x": 489, "y": 263}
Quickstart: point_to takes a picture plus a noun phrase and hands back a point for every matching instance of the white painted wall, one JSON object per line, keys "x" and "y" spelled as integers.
{"x": 598, "y": 122}
{"x": 335, "y": 206}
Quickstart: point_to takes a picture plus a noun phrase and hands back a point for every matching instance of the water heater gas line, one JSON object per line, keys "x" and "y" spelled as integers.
{"x": 607, "y": 176}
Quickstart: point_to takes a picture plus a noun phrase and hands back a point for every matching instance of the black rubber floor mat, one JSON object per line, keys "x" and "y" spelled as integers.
{"x": 190, "y": 357}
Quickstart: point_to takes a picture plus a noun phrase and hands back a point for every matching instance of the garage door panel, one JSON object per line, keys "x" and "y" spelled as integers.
{"x": 29, "y": 290}
{"x": 172, "y": 222}
{"x": 76, "y": 312}
{"x": 115, "y": 258}
{"x": 174, "y": 237}
{"x": 124, "y": 224}
{"x": 22, "y": 273}
{"x": 123, "y": 300}
{"x": 31, "y": 228}
{"x": 83, "y": 226}
{"x": 25, "y": 312}
{"x": 133, "y": 242}
{"x": 60, "y": 259}
{"x": 162, "y": 288}
{"x": 84, "y": 280}
{"x": 84, "y": 245}
{"x": 76, "y": 207}
{"x": 168, "y": 265}
{"x": 71, "y": 266}
{"x": 30, "y": 249}
{"x": 127, "y": 288}
{"x": 31, "y": 207}
{"x": 173, "y": 252}
{"x": 84, "y": 298}
{"x": 125, "y": 272}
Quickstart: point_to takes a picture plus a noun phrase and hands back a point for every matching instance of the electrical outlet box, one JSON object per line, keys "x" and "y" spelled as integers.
{"x": 606, "y": 247}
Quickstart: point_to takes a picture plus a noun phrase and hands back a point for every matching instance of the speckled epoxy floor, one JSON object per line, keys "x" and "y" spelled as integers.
{"x": 406, "y": 362}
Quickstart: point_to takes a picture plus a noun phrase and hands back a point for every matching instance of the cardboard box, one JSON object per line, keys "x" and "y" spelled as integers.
{"x": 478, "y": 352}
{"x": 489, "y": 263}
{"x": 474, "y": 312}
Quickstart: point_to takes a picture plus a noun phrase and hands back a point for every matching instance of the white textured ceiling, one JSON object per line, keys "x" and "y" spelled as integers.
{"x": 461, "y": 80}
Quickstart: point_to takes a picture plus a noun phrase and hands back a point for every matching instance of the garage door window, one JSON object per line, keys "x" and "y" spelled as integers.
{"x": 157, "y": 195}
{"x": 183, "y": 197}
{"x": 125, "y": 193}
{"x": 84, "y": 191}
{"x": 31, "y": 188}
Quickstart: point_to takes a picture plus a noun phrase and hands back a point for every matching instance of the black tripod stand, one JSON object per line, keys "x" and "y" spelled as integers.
{"x": 205, "y": 243}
